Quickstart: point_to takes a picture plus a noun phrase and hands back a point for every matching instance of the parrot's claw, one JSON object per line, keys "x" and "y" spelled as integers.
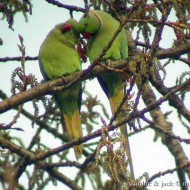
{"x": 109, "y": 63}
{"x": 63, "y": 78}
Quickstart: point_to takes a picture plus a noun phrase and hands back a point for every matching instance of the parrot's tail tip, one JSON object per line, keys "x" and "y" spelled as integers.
{"x": 78, "y": 151}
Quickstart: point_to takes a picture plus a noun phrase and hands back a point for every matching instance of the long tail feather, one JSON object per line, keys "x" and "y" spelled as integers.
{"x": 74, "y": 130}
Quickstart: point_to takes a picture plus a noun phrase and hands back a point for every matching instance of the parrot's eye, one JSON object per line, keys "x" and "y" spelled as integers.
{"x": 66, "y": 27}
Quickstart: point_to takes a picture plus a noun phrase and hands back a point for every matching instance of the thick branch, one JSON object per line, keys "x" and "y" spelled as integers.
{"x": 159, "y": 119}
{"x": 51, "y": 86}
{"x": 173, "y": 52}
{"x": 15, "y": 148}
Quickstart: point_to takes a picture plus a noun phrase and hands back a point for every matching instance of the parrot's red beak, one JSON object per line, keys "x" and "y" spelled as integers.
{"x": 66, "y": 27}
{"x": 86, "y": 35}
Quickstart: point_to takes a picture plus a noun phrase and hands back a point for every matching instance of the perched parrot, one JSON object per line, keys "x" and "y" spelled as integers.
{"x": 99, "y": 27}
{"x": 58, "y": 57}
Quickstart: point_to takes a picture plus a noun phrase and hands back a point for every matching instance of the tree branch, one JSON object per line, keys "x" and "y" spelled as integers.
{"x": 33, "y": 158}
{"x": 53, "y": 86}
{"x": 161, "y": 53}
{"x": 27, "y": 58}
{"x": 133, "y": 115}
{"x": 69, "y": 7}
{"x": 158, "y": 117}
{"x": 174, "y": 100}
{"x": 59, "y": 176}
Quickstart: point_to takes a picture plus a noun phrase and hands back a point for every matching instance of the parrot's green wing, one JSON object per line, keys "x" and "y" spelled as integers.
{"x": 99, "y": 27}
{"x": 58, "y": 57}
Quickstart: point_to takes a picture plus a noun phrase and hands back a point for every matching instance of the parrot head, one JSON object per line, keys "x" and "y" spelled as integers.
{"x": 90, "y": 24}
{"x": 68, "y": 30}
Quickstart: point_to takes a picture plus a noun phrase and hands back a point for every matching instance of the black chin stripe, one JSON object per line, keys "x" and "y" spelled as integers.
{"x": 99, "y": 25}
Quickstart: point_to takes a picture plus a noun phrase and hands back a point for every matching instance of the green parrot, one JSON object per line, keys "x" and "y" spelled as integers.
{"x": 98, "y": 27}
{"x": 58, "y": 57}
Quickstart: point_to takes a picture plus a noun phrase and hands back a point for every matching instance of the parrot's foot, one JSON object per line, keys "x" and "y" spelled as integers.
{"x": 109, "y": 63}
{"x": 110, "y": 66}
{"x": 63, "y": 79}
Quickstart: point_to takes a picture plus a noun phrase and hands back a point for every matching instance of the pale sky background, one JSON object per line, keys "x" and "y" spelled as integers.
{"x": 147, "y": 156}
